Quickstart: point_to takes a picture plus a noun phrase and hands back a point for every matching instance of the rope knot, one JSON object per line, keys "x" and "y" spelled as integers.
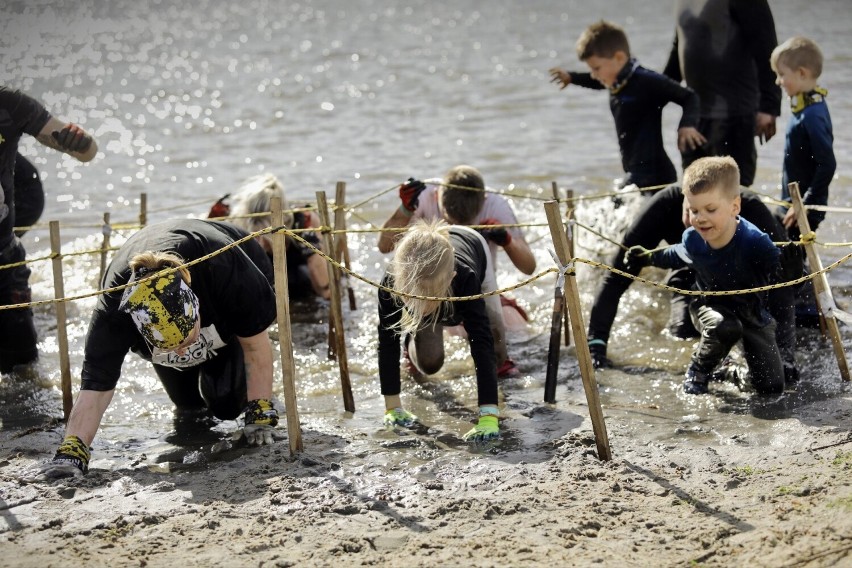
{"x": 563, "y": 269}
{"x": 808, "y": 238}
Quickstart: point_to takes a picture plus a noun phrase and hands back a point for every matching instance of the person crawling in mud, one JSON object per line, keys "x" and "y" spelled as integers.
{"x": 203, "y": 328}
{"x": 459, "y": 198}
{"x": 437, "y": 260}
{"x": 726, "y": 252}
{"x": 307, "y": 272}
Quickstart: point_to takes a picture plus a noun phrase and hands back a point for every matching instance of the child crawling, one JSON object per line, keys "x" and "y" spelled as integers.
{"x": 726, "y": 252}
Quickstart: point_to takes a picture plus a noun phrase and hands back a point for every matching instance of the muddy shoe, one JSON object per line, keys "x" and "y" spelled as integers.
{"x": 597, "y": 349}
{"x": 695, "y": 382}
{"x": 399, "y": 417}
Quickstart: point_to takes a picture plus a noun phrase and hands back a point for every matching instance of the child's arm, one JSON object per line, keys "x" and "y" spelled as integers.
{"x": 559, "y": 75}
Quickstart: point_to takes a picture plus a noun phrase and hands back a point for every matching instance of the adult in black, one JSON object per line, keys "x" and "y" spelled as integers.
{"x": 721, "y": 50}
{"x": 662, "y": 218}
{"x": 21, "y": 114}
{"x": 203, "y": 328}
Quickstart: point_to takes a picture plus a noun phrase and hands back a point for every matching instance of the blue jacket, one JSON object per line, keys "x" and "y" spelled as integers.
{"x": 750, "y": 260}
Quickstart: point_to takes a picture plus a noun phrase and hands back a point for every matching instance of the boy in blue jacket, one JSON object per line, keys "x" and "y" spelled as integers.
{"x": 726, "y": 252}
{"x": 808, "y": 153}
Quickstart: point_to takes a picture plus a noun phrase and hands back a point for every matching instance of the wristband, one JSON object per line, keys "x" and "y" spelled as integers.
{"x": 489, "y": 410}
{"x": 405, "y": 211}
{"x": 73, "y": 451}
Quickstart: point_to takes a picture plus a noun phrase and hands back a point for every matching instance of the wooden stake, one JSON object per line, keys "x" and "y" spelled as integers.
{"x": 565, "y": 316}
{"x": 820, "y": 281}
{"x": 143, "y": 209}
{"x": 285, "y": 334}
{"x": 107, "y": 232}
{"x": 335, "y": 307}
{"x": 61, "y": 318}
{"x": 341, "y": 242}
{"x": 569, "y": 232}
{"x": 584, "y": 358}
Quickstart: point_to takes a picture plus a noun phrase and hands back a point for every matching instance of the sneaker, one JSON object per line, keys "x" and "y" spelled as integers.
{"x": 399, "y": 417}
{"x": 695, "y": 382}
{"x": 791, "y": 374}
{"x": 597, "y": 349}
{"x": 508, "y": 369}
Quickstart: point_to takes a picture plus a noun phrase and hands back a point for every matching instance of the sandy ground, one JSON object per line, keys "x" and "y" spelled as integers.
{"x": 423, "y": 499}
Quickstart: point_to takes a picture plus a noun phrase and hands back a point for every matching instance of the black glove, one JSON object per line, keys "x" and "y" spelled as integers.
{"x": 409, "y": 193}
{"x": 498, "y": 235}
{"x": 72, "y": 138}
{"x": 636, "y": 258}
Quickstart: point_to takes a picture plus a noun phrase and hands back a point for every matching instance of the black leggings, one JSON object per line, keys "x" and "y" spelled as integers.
{"x": 218, "y": 384}
{"x": 720, "y": 330}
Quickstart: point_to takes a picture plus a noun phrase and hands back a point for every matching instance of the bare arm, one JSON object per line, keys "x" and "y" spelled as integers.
{"x": 56, "y": 125}
{"x": 387, "y": 240}
{"x": 520, "y": 254}
{"x": 87, "y": 414}
{"x": 257, "y": 351}
{"x": 318, "y": 273}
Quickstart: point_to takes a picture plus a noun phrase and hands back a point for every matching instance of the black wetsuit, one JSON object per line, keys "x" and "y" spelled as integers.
{"x": 722, "y": 49}
{"x": 19, "y": 115}
{"x": 637, "y": 100}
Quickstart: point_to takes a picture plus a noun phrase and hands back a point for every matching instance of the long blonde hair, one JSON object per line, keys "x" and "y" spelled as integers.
{"x": 423, "y": 266}
{"x": 255, "y": 196}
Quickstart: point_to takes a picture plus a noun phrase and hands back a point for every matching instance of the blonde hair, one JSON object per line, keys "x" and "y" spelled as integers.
{"x": 423, "y": 266}
{"x": 714, "y": 172}
{"x": 255, "y": 196}
{"x": 151, "y": 262}
{"x": 798, "y": 52}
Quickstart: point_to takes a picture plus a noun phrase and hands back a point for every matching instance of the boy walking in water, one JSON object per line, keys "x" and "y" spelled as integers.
{"x": 727, "y": 253}
{"x": 636, "y": 97}
{"x": 808, "y": 153}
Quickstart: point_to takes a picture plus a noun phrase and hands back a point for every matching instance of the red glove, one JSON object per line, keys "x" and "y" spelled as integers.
{"x": 409, "y": 193}
{"x": 499, "y": 235}
{"x": 220, "y": 208}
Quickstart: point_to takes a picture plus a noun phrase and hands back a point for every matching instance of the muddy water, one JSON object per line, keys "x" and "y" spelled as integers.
{"x": 185, "y": 108}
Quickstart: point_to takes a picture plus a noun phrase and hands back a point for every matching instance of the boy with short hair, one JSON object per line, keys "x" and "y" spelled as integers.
{"x": 808, "y": 153}
{"x": 636, "y": 97}
{"x": 727, "y": 253}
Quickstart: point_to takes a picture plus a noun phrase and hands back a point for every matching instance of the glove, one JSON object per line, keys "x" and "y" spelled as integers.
{"x": 260, "y": 420}
{"x": 597, "y": 349}
{"x": 637, "y": 258}
{"x": 792, "y": 264}
{"x": 71, "y": 460}
{"x": 498, "y": 235}
{"x": 220, "y": 208}
{"x": 72, "y": 138}
{"x": 409, "y": 193}
{"x": 399, "y": 417}
{"x": 486, "y": 429}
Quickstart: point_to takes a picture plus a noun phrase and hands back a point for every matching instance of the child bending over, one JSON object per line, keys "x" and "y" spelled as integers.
{"x": 727, "y": 253}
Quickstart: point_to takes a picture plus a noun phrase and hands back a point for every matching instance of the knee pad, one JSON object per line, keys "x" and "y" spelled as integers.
{"x": 728, "y": 331}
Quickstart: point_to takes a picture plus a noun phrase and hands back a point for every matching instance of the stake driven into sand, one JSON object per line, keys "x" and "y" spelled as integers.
{"x": 61, "y": 318}
{"x": 285, "y": 335}
{"x": 335, "y": 307}
{"x": 340, "y": 240}
{"x": 584, "y": 358}
{"x": 825, "y": 301}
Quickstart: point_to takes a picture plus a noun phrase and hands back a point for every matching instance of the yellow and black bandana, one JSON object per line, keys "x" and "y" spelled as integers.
{"x": 164, "y": 309}
{"x": 799, "y": 102}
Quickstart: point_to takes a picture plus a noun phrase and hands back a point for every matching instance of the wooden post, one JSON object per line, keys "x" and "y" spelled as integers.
{"x": 555, "y": 188}
{"x": 107, "y": 232}
{"x": 285, "y": 335}
{"x": 569, "y": 232}
{"x": 61, "y": 317}
{"x": 820, "y": 282}
{"x": 335, "y": 307}
{"x": 341, "y": 242}
{"x": 584, "y": 358}
{"x": 143, "y": 209}
{"x": 553, "y": 347}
